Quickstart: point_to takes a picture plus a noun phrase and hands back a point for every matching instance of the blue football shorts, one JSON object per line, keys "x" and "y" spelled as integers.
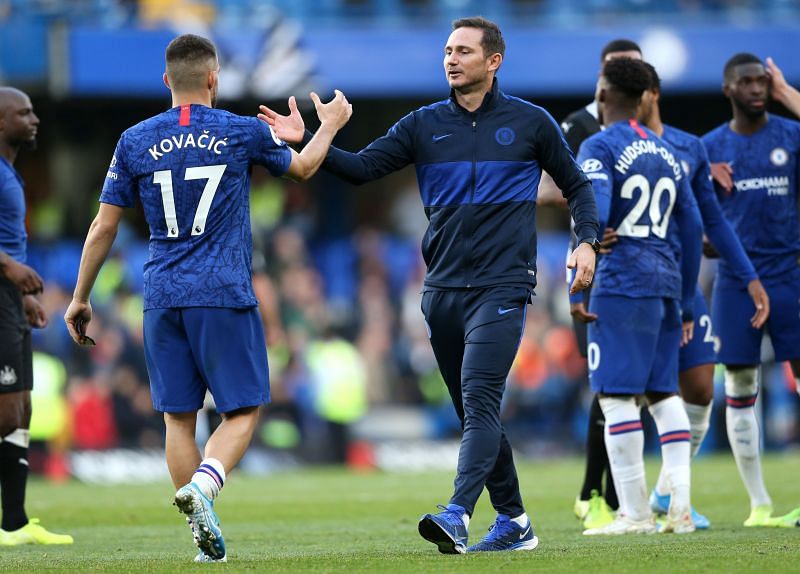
{"x": 731, "y": 309}
{"x": 194, "y": 349}
{"x": 701, "y": 350}
{"x": 633, "y": 345}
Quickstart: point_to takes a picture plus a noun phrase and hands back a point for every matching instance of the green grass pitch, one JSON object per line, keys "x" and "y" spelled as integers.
{"x": 332, "y": 520}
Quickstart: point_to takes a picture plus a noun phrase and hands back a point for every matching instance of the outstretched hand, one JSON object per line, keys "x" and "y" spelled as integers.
{"x": 335, "y": 113}
{"x": 291, "y": 128}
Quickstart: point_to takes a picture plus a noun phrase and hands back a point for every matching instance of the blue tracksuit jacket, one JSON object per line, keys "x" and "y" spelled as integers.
{"x": 478, "y": 175}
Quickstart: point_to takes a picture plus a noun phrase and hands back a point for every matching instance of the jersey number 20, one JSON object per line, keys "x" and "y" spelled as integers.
{"x": 659, "y": 222}
{"x": 213, "y": 173}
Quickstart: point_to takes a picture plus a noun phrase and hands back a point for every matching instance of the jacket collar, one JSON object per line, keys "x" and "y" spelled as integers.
{"x": 489, "y": 100}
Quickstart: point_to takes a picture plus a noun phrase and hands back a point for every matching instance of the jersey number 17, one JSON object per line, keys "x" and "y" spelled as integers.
{"x": 213, "y": 173}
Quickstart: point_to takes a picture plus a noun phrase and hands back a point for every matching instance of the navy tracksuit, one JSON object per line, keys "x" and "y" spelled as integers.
{"x": 478, "y": 174}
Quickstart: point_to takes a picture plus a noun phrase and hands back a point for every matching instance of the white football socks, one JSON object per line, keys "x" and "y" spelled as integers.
{"x": 672, "y": 423}
{"x": 699, "y": 419}
{"x": 625, "y": 445}
{"x": 741, "y": 391}
{"x": 522, "y": 520}
{"x": 209, "y": 477}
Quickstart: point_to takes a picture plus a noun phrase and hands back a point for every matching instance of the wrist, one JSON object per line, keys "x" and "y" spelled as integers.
{"x": 592, "y": 242}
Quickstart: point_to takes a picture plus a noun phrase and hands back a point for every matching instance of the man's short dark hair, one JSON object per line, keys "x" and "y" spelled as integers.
{"x": 619, "y": 45}
{"x": 189, "y": 58}
{"x": 492, "y": 41}
{"x": 628, "y": 76}
{"x": 738, "y": 60}
{"x": 655, "y": 81}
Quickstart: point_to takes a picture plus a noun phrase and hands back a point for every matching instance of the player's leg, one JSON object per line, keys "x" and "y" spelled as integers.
{"x": 671, "y": 420}
{"x": 444, "y": 318}
{"x": 177, "y": 389}
{"x": 236, "y": 371}
{"x": 784, "y": 331}
{"x": 494, "y": 327}
{"x": 673, "y": 432}
{"x": 622, "y": 345}
{"x": 740, "y": 352}
{"x": 784, "y": 323}
{"x": 590, "y": 507}
{"x": 696, "y": 384}
{"x": 16, "y": 376}
{"x": 180, "y": 446}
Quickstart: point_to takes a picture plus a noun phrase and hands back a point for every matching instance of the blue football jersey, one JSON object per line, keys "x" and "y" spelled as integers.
{"x": 640, "y": 188}
{"x": 190, "y": 168}
{"x": 13, "y": 236}
{"x": 762, "y": 207}
{"x": 694, "y": 160}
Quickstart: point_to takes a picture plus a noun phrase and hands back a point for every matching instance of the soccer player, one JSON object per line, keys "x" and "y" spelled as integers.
{"x": 642, "y": 298}
{"x": 697, "y": 359}
{"x": 593, "y": 509}
{"x": 19, "y": 311}
{"x": 478, "y": 156}
{"x": 190, "y": 169}
{"x": 761, "y": 152}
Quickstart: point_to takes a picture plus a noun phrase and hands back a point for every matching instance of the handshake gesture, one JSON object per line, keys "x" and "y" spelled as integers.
{"x": 291, "y": 129}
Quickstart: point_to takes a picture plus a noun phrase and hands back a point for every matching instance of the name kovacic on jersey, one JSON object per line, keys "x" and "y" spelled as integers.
{"x": 184, "y": 141}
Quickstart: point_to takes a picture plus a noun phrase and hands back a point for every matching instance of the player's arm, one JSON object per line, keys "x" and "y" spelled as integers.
{"x": 690, "y": 232}
{"x": 99, "y": 240}
{"x": 385, "y": 155}
{"x": 22, "y": 276}
{"x": 574, "y": 134}
{"x": 332, "y": 116}
{"x": 556, "y": 158}
{"x": 725, "y": 241}
{"x": 717, "y": 228}
{"x": 781, "y": 90}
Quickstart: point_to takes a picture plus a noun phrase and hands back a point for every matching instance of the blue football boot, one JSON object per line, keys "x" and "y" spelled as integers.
{"x": 505, "y": 534}
{"x": 200, "y": 514}
{"x": 446, "y": 529}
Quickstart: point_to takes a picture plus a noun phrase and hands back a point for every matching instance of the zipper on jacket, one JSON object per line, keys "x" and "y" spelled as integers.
{"x": 471, "y": 227}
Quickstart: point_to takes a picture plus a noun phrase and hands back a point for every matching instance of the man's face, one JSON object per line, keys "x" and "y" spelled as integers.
{"x": 18, "y": 124}
{"x": 748, "y": 89}
{"x": 465, "y": 64}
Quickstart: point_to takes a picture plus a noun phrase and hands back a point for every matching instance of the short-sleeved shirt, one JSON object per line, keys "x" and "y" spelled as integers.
{"x": 639, "y": 182}
{"x": 13, "y": 237}
{"x": 763, "y": 205}
{"x": 190, "y": 168}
